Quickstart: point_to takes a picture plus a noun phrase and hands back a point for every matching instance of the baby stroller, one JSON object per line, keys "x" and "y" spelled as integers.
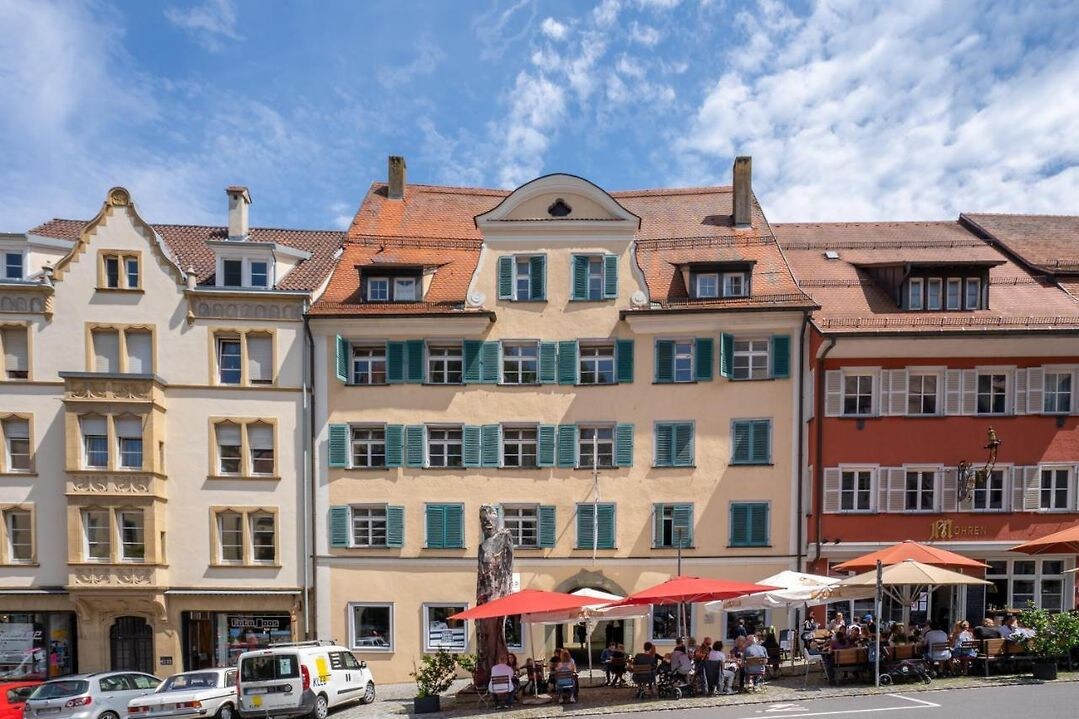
{"x": 670, "y": 685}
{"x": 900, "y": 671}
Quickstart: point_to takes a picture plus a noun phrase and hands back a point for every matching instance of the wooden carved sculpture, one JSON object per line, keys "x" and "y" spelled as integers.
{"x": 494, "y": 579}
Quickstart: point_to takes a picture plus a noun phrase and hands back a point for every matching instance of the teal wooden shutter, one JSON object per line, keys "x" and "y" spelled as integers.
{"x": 415, "y": 436}
{"x": 395, "y": 442}
{"x": 505, "y": 277}
{"x": 606, "y": 526}
{"x": 664, "y": 440}
{"x": 340, "y": 531}
{"x": 623, "y": 445}
{"x": 584, "y": 526}
{"x": 490, "y": 361}
{"x": 604, "y": 522}
{"x": 414, "y": 362}
{"x": 758, "y": 524}
{"x": 781, "y": 356}
{"x": 682, "y": 445}
{"x": 705, "y": 359}
{"x": 739, "y": 521}
{"x": 740, "y": 442}
{"x": 664, "y": 361}
{"x": 395, "y": 362}
{"x": 548, "y": 362}
{"x": 470, "y": 446}
{"x": 683, "y": 524}
{"x": 545, "y": 445}
{"x": 760, "y": 449}
{"x": 436, "y": 526}
{"x": 567, "y": 362}
{"x": 579, "y": 288}
{"x": 623, "y": 357}
{"x": 337, "y": 445}
{"x": 547, "y": 528}
{"x": 395, "y": 526}
{"x": 726, "y": 355}
{"x": 454, "y": 526}
{"x": 491, "y": 452}
{"x": 567, "y": 445}
{"x": 610, "y": 276}
{"x": 342, "y": 359}
{"x": 537, "y": 276}
{"x": 657, "y": 526}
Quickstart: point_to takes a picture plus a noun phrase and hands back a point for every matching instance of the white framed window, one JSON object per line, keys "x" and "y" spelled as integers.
{"x": 404, "y": 289}
{"x": 953, "y": 297}
{"x": 232, "y": 273}
{"x": 663, "y": 623}
{"x": 858, "y": 394}
{"x": 992, "y": 395}
{"x": 263, "y": 537}
{"x": 597, "y": 363}
{"x": 132, "y": 535}
{"x": 441, "y": 632}
{"x": 595, "y": 278}
{"x": 370, "y": 627}
{"x": 369, "y": 446}
{"x": 920, "y": 490}
{"x": 259, "y": 357}
{"x": 915, "y": 288}
{"x": 229, "y": 448}
{"x": 378, "y": 289}
{"x": 95, "y": 442}
{"x": 20, "y": 535}
{"x": 596, "y": 446}
{"x": 707, "y": 285}
{"x": 230, "y": 537}
{"x": 119, "y": 271}
{"x": 522, "y": 278}
{"x": 444, "y": 446}
{"x": 751, "y": 358}
{"x": 934, "y": 288}
{"x": 990, "y": 496}
{"x": 1055, "y": 489}
{"x": 518, "y": 446}
{"x": 260, "y": 273}
{"x": 17, "y": 453}
{"x": 734, "y": 284}
{"x": 229, "y": 360}
{"x": 683, "y": 361}
{"x": 856, "y": 490}
{"x": 1058, "y": 393}
{"x": 522, "y": 522}
{"x": 97, "y": 534}
{"x": 1013, "y": 583}
{"x": 973, "y": 296}
{"x": 369, "y": 525}
{"x": 260, "y": 445}
{"x": 129, "y": 439}
{"x": 520, "y": 363}
{"x": 14, "y": 352}
{"x": 922, "y": 393}
{"x": 106, "y": 343}
{"x": 444, "y": 364}
{"x": 13, "y": 266}
{"x": 369, "y": 364}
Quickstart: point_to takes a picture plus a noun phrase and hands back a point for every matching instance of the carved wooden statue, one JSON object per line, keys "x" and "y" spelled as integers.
{"x": 494, "y": 579}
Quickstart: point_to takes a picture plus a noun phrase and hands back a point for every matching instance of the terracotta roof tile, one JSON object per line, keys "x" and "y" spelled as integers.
{"x": 1050, "y": 242}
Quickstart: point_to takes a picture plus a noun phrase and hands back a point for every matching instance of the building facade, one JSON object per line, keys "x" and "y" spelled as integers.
{"x": 153, "y": 456}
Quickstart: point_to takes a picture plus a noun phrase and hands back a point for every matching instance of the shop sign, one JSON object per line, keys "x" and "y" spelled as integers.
{"x": 165, "y": 661}
{"x": 949, "y": 529}
{"x": 263, "y": 624}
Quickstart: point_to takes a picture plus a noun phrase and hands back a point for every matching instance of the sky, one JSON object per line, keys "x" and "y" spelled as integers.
{"x": 852, "y": 110}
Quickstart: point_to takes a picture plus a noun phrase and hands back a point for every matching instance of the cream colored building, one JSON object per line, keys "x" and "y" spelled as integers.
{"x": 616, "y": 371}
{"x": 152, "y": 469}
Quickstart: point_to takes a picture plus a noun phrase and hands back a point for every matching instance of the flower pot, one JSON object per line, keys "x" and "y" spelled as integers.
{"x": 1045, "y": 670}
{"x": 426, "y": 705}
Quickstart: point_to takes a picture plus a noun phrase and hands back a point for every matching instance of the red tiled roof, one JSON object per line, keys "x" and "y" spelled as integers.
{"x": 188, "y": 245}
{"x": 1050, "y": 242}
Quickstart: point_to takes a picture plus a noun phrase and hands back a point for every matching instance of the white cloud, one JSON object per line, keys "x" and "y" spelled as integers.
{"x": 428, "y": 57}
{"x": 209, "y": 24}
{"x": 538, "y": 106}
{"x": 644, "y": 34}
{"x": 553, "y": 29}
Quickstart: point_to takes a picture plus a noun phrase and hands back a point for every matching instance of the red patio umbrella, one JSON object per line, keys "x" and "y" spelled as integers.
{"x": 525, "y": 602}
{"x": 1065, "y": 541}
{"x": 693, "y": 589}
{"x": 909, "y": 549}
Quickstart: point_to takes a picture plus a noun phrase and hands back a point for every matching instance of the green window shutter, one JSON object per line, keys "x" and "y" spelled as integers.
{"x": 683, "y": 524}
{"x": 760, "y": 448}
{"x": 664, "y": 361}
{"x": 739, "y": 520}
{"x": 415, "y": 436}
{"x": 505, "y": 277}
{"x": 395, "y": 526}
{"x": 455, "y": 526}
{"x": 395, "y": 443}
{"x": 781, "y": 356}
{"x": 758, "y": 524}
{"x": 545, "y": 445}
{"x": 547, "y": 528}
{"x": 567, "y": 445}
{"x": 579, "y": 289}
{"x": 567, "y": 362}
{"x": 606, "y": 531}
{"x": 337, "y": 446}
{"x": 414, "y": 357}
{"x": 741, "y": 441}
{"x": 682, "y": 444}
{"x": 342, "y": 359}
{"x": 726, "y": 355}
{"x": 395, "y": 362}
{"x": 623, "y": 445}
{"x": 657, "y": 525}
{"x": 663, "y": 443}
{"x": 490, "y": 361}
{"x": 491, "y": 452}
{"x": 436, "y": 526}
{"x": 610, "y": 276}
{"x": 548, "y": 362}
{"x": 470, "y": 351}
{"x": 340, "y": 532}
{"x": 537, "y": 276}
{"x": 705, "y": 359}
{"x": 584, "y": 526}
{"x": 623, "y": 357}
{"x": 470, "y": 445}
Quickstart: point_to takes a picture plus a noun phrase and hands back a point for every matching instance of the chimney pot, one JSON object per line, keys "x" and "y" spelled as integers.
{"x": 239, "y": 201}
{"x": 396, "y": 177}
{"x": 743, "y": 191}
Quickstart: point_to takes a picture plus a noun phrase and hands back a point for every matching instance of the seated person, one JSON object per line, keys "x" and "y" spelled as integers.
{"x": 681, "y": 664}
{"x": 754, "y": 672}
{"x": 618, "y": 665}
{"x": 534, "y": 675}
{"x": 937, "y": 646}
{"x": 552, "y": 664}
{"x": 605, "y": 662}
{"x": 987, "y": 630}
{"x": 1008, "y": 626}
{"x": 503, "y": 691}
{"x": 565, "y": 666}
{"x": 726, "y": 669}
{"x": 646, "y": 660}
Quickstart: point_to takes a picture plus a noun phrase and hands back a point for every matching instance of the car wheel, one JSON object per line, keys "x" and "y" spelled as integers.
{"x": 368, "y": 693}
{"x": 225, "y": 712}
{"x": 109, "y": 715}
{"x": 322, "y": 708}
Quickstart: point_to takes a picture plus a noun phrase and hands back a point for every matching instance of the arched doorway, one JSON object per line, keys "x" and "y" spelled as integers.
{"x": 131, "y": 645}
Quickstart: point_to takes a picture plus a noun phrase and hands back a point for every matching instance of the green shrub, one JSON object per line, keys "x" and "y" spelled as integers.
{"x": 1055, "y": 633}
{"x": 435, "y": 674}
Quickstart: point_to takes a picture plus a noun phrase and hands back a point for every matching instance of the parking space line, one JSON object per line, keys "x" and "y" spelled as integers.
{"x": 920, "y": 705}
{"x": 912, "y": 699}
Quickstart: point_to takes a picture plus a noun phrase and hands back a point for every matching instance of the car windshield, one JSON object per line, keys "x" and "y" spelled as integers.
{"x": 196, "y": 680}
{"x": 268, "y": 668}
{"x": 56, "y": 690}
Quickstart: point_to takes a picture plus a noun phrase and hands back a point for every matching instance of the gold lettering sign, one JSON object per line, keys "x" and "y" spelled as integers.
{"x": 948, "y": 529}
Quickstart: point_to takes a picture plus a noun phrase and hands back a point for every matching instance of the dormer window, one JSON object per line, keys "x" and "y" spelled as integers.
{"x": 259, "y": 273}
{"x": 708, "y": 285}
{"x": 933, "y": 293}
{"x": 378, "y": 289}
{"x": 245, "y": 272}
{"x": 950, "y": 294}
{"x": 404, "y": 289}
{"x": 734, "y": 284}
{"x": 716, "y": 280}
{"x": 972, "y": 299}
{"x": 392, "y": 285}
{"x": 13, "y": 266}
{"x": 233, "y": 271}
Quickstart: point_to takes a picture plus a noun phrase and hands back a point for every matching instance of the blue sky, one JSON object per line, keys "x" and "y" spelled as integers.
{"x": 851, "y": 110}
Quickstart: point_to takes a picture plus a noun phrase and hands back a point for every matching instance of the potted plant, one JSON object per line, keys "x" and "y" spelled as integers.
{"x": 434, "y": 676}
{"x": 1051, "y": 638}
{"x": 469, "y": 663}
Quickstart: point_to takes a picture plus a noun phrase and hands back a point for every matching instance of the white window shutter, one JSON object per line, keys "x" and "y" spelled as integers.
{"x": 897, "y": 489}
{"x": 875, "y": 409}
{"x": 810, "y": 388}
{"x": 882, "y": 475}
{"x": 898, "y": 392}
{"x": 953, "y": 380}
{"x": 1035, "y": 390}
{"x": 970, "y": 391}
{"x": 884, "y": 393}
{"x": 1012, "y": 477}
{"x": 833, "y": 393}
{"x": 831, "y": 490}
{"x": 1030, "y": 498}
{"x": 949, "y": 490}
{"x": 1020, "y": 395}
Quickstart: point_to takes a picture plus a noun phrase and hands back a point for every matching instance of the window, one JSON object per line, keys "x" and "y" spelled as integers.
{"x": 131, "y": 269}
{"x": 371, "y": 627}
{"x": 858, "y": 394}
{"x": 378, "y": 289}
{"x": 1055, "y": 483}
{"x": 95, "y": 524}
{"x": 921, "y": 394}
{"x": 683, "y": 361}
{"x": 1015, "y": 582}
{"x": 518, "y": 446}
{"x": 261, "y": 446}
{"x": 259, "y": 357}
{"x": 751, "y": 441}
{"x": 233, "y": 271}
{"x": 13, "y": 342}
{"x": 707, "y": 285}
{"x": 856, "y": 490}
{"x": 444, "y": 446}
{"x": 106, "y": 350}
{"x": 119, "y": 271}
{"x": 13, "y": 266}
{"x": 444, "y": 364}
{"x": 246, "y": 536}
{"x": 112, "y": 271}
{"x": 520, "y": 363}
{"x": 263, "y": 538}
{"x": 914, "y": 293}
{"x": 259, "y": 273}
{"x": 95, "y": 442}
{"x": 672, "y": 525}
{"x": 595, "y": 278}
{"x": 919, "y": 491}
{"x": 404, "y": 289}
{"x": 20, "y": 535}
{"x": 933, "y": 293}
{"x": 664, "y": 626}
{"x": 751, "y": 359}
{"x": 992, "y": 393}
{"x": 230, "y": 536}
{"x": 674, "y": 444}
{"x": 749, "y": 524}
{"x": 369, "y": 526}
{"x": 369, "y": 364}
{"x": 973, "y": 297}
{"x": 597, "y": 364}
{"x": 596, "y": 525}
{"x": 734, "y": 284}
{"x": 132, "y": 536}
{"x": 596, "y": 447}
{"x": 368, "y": 447}
{"x": 513, "y": 632}
{"x": 1058, "y": 392}
{"x": 522, "y": 524}
{"x": 522, "y": 278}
{"x": 441, "y": 632}
{"x": 989, "y": 497}
{"x": 229, "y": 444}
{"x": 954, "y": 290}
{"x": 445, "y": 526}
{"x": 16, "y": 438}
{"x": 244, "y": 448}
{"x": 129, "y": 439}
{"x": 229, "y": 359}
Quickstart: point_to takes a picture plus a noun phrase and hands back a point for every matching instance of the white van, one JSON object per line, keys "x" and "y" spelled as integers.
{"x": 305, "y": 678}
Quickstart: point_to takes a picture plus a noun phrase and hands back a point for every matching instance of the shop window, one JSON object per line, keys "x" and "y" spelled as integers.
{"x": 441, "y": 632}
{"x": 1014, "y": 583}
{"x": 37, "y": 645}
{"x": 664, "y": 624}
{"x": 371, "y": 627}
{"x": 14, "y": 352}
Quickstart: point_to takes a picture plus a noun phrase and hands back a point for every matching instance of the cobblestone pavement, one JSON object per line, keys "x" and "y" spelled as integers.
{"x": 396, "y": 699}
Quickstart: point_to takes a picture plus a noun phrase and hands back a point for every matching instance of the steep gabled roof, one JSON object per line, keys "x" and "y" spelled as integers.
{"x": 1048, "y": 242}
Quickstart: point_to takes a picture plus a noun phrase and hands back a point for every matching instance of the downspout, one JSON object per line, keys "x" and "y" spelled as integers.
{"x": 800, "y": 545}
{"x": 818, "y": 469}
{"x": 309, "y": 476}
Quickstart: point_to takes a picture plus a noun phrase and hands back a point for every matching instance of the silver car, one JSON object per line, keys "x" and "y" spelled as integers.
{"x": 103, "y": 695}
{"x": 198, "y": 693}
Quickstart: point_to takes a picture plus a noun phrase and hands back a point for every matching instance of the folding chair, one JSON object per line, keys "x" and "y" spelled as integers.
{"x": 502, "y": 690}
{"x": 758, "y": 676}
{"x": 812, "y": 657}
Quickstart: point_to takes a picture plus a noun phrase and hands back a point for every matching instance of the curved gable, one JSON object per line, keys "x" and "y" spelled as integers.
{"x": 559, "y": 199}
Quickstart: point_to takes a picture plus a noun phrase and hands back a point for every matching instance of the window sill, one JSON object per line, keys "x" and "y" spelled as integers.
{"x": 672, "y": 547}
{"x": 123, "y": 290}
{"x": 687, "y": 382}
{"x": 606, "y": 384}
{"x": 373, "y": 650}
{"x": 33, "y": 563}
{"x": 367, "y": 546}
{"x": 245, "y": 565}
{"x": 752, "y": 464}
{"x": 599, "y": 301}
{"x": 529, "y": 301}
{"x": 432, "y": 384}
{"x": 245, "y": 477}
{"x": 16, "y": 473}
{"x": 366, "y": 469}
{"x": 749, "y": 546}
{"x": 516, "y": 384}
{"x": 364, "y": 384}
{"x": 601, "y": 468}
{"x": 249, "y": 385}
{"x": 754, "y": 379}
{"x": 598, "y": 549}
{"x": 674, "y": 466}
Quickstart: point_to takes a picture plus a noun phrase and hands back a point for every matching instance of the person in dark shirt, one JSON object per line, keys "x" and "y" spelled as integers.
{"x": 647, "y": 658}
{"x": 987, "y": 630}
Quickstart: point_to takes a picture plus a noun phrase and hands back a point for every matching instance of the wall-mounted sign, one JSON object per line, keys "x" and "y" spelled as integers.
{"x": 165, "y": 661}
{"x": 949, "y": 529}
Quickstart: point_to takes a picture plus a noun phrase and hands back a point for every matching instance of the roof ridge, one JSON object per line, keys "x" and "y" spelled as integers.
{"x": 1012, "y": 214}
{"x": 865, "y": 223}
{"x": 201, "y": 227}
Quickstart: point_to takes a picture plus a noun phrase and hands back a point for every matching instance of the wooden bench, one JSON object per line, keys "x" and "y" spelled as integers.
{"x": 902, "y": 651}
{"x": 849, "y": 661}
{"x": 991, "y": 650}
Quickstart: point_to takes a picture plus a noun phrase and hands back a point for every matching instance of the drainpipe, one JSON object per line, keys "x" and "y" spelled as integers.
{"x": 308, "y": 521}
{"x": 818, "y": 474}
{"x": 800, "y": 546}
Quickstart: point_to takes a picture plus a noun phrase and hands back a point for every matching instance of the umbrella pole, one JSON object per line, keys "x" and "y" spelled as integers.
{"x": 879, "y": 604}
{"x": 532, "y": 646}
{"x": 590, "y": 627}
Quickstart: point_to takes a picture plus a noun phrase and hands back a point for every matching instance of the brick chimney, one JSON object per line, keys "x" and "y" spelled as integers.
{"x": 397, "y": 177}
{"x": 743, "y": 192}
{"x": 239, "y": 201}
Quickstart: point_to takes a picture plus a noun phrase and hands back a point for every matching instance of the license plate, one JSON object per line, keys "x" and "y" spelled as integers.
{"x": 258, "y": 690}
{"x": 49, "y": 710}
{"x": 256, "y": 701}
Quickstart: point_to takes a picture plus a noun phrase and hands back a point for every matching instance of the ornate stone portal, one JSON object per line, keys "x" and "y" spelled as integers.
{"x": 494, "y": 579}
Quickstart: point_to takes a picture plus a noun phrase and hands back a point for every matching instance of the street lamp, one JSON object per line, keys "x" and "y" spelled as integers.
{"x": 969, "y": 478}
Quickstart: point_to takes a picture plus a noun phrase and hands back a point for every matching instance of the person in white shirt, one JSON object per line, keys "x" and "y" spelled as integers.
{"x": 1008, "y": 627}
{"x": 503, "y": 698}
{"x": 726, "y": 672}
{"x": 937, "y": 646}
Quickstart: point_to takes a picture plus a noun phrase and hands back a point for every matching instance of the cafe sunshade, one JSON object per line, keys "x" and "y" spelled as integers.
{"x": 910, "y": 572}
{"x": 526, "y": 602}
{"x": 600, "y": 610}
{"x": 693, "y": 589}
{"x": 1063, "y": 542}
{"x": 901, "y": 552}
{"x": 795, "y": 588}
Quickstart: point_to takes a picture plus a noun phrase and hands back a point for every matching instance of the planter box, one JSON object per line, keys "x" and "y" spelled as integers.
{"x": 426, "y": 705}
{"x": 1045, "y": 670}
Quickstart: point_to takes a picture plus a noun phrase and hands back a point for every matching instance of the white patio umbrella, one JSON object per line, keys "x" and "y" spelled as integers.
{"x": 794, "y": 588}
